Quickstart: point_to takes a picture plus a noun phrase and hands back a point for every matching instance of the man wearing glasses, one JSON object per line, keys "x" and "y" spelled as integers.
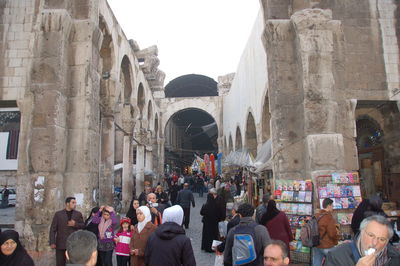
{"x": 370, "y": 247}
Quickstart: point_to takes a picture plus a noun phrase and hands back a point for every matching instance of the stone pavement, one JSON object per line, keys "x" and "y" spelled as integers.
{"x": 194, "y": 233}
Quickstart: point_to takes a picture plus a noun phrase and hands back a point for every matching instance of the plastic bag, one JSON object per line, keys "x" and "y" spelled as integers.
{"x": 222, "y": 227}
{"x": 219, "y": 260}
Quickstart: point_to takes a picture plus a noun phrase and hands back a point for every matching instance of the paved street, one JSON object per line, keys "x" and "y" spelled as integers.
{"x": 194, "y": 232}
{"x": 7, "y": 218}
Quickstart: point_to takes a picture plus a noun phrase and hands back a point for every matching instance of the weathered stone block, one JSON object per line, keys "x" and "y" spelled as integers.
{"x": 320, "y": 116}
{"x": 83, "y": 113}
{"x": 84, "y": 187}
{"x": 324, "y": 151}
{"x": 47, "y": 150}
{"x": 50, "y": 109}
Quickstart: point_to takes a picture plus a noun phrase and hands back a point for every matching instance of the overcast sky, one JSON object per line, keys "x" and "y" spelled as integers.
{"x": 204, "y": 37}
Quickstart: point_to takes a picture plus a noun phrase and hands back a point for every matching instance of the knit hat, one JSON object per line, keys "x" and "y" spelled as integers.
{"x": 125, "y": 220}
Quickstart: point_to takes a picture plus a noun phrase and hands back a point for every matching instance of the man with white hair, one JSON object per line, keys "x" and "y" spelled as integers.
{"x": 168, "y": 245}
{"x": 370, "y": 247}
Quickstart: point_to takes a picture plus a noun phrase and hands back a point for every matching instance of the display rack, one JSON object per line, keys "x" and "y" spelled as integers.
{"x": 295, "y": 198}
{"x": 345, "y": 191}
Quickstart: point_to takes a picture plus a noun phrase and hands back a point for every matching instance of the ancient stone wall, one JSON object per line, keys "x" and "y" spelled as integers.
{"x": 323, "y": 57}
{"x": 75, "y": 78}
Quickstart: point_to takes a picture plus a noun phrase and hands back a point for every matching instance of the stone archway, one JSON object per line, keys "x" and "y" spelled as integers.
{"x": 251, "y": 135}
{"x": 141, "y": 100}
{"x": 266, "y": 119}
{"x": 238, "y": 139}
{"x": 125, "y": 79}
{"x": 150, "y": 115}
{"x": 187, "y": 132}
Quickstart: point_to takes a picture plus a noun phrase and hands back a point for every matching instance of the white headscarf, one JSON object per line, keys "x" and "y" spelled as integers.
{"x": 147, "y": 217}
{"x": 173, "y": 214}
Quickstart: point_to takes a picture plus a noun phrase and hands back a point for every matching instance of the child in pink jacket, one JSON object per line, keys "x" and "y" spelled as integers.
{"x": 122, "y": 240}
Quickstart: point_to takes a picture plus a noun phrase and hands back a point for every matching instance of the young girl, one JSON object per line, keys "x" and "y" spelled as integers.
{"x": 106, "y": 221}
{"x": 122, "y": 240}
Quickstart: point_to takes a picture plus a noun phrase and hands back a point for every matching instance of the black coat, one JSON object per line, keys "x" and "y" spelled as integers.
{"x": 173, "y": 193}
{"x": 169, "y": 246}
{"x": 211, "y": 213}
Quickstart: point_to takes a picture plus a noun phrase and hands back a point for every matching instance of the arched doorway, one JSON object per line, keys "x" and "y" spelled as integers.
{"x": 251, "y": 136}
{"x": 370, "y": 154}
{"x": 189, "y": 132}
{"x": 378, "y": 134}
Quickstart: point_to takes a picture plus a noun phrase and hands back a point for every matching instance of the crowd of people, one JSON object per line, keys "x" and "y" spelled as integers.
{"x": 153, "y": 231}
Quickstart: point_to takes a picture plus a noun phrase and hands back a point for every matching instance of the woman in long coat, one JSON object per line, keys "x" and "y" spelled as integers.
{"x": 141, "y": 234}
{"x": 211, "y": 215}
{"x": 277, "y": 224}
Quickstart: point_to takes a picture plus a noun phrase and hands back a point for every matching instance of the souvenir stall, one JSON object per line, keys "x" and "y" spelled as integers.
{"x": 295, "y": 198}
{"x": 344, "y": 190}
{"x": 263, "y": 170}
{"x": 236, "y": 165}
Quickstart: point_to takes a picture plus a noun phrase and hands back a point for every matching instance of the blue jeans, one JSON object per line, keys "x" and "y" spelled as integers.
{"x": 318, "y": 254}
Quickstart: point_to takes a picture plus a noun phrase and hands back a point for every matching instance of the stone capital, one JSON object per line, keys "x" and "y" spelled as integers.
{"x": 311, "y": 19}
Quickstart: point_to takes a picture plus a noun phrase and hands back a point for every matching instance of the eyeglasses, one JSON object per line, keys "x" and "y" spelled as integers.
{"x": 382, "y": 240}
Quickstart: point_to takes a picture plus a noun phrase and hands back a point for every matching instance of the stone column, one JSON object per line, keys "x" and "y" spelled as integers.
{"x": 106, "y": 180}
{"x": 140, "y": 151}
{"x": 149, "y": 158}
{"x": 42, "y": 160}
{"x": 127, "y": 177}
{"x": 313, "y": 127}
{"x": 161, "y": 153}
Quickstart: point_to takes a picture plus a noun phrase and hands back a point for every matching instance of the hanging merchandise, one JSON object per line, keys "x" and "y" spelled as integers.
{"x": 212, "y": 161}
{"x": 206, "y": 163}
{"x": 202, "y": 166}
{"x": 219, "y": 163}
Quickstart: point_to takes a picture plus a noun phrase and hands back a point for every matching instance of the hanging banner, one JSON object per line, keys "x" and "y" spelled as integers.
{"x": 219, "y": 163}
{"x": 212, "y": 160}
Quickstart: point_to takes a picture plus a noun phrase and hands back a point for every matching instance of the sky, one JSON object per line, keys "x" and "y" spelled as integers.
{"x": 205, "y": 37}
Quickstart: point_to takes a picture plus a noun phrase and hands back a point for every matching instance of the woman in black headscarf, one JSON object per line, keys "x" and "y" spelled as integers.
{"x": 12, "y": 253}
{"x": 211, "y": 213}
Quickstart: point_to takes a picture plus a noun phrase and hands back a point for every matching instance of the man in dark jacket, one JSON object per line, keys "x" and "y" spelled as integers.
{"x": 184, "y": 199}
{"x": 370, "y": 247}
{"x": 168, "y": 245}
{"x": 246, "y": 212}
{"x": 64, "y": 223}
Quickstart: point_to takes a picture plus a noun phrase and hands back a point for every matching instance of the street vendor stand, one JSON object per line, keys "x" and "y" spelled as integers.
{"x": 295, "y": 198}
{"x": 344, "y": 190}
